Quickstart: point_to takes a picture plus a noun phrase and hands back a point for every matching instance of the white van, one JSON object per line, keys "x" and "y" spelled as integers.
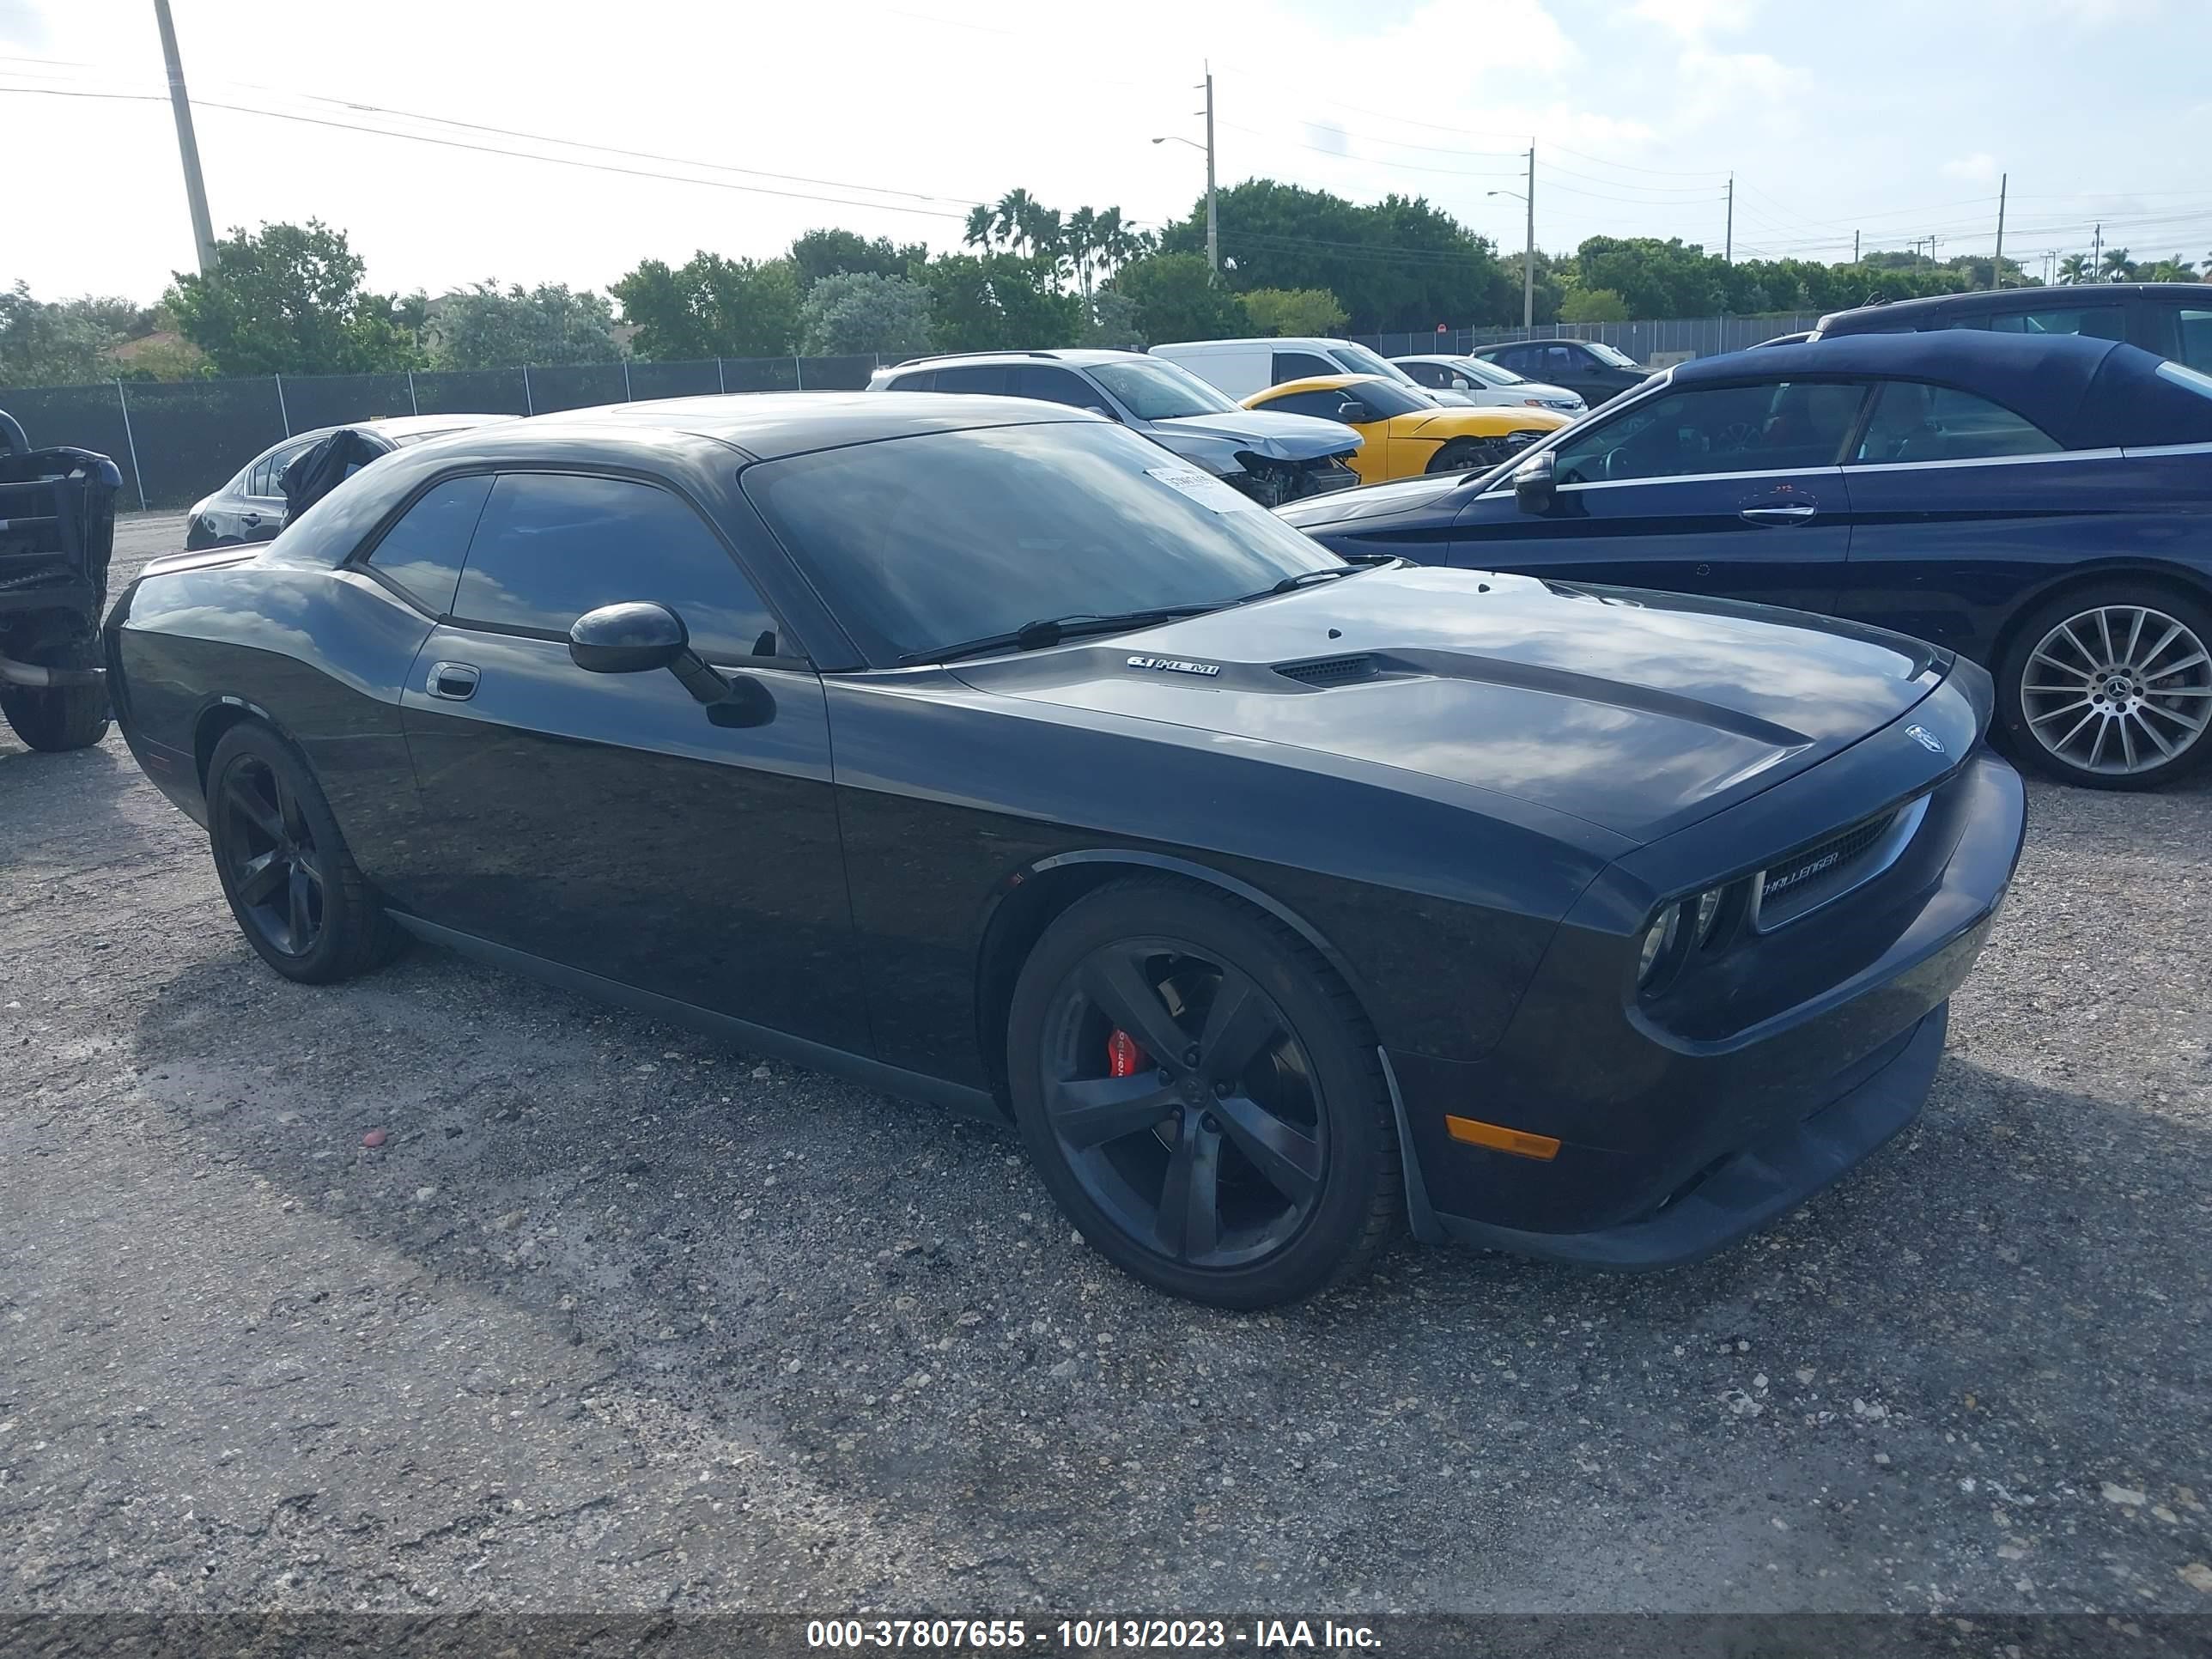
{"x": 1241, "y": 367}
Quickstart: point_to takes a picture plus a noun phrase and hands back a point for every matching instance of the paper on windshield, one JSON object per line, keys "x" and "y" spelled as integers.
{"x": 1203, "y": 487}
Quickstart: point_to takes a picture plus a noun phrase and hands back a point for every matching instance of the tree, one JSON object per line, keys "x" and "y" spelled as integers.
{"x": 2176, "y": 270}
{"x": 2115, "y": 266}
{"x": 1593, "y": 305}
{"x": 484, "y": 327}
{"x": 1114, "y": 323}
{"x": 289, "y": 300}
{"x": 62, "y": 342}
{"x": 999, "y": 302}
{"x": 859, "y": 311}
{"x": 711, "y": 306}
{"x": 1292, "y": 311}
{"x": 1398, "y": 262}
{"x": 820, "y": 253}
{"x": 2075, "y": 268}
{"x": 1176, "y": 299}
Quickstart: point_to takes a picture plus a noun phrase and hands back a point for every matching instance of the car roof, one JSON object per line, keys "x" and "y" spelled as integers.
{"x": 1433, "y": 357}
{"x": 1327, "y": 383}
{"x": 2065, "y": 296}
{"x": 1078, "y": 356}
{"x": 2088, "y": 393}
{"x": 765, "y": 425}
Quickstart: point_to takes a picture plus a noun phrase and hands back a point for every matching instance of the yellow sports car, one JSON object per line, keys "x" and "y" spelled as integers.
{"x": 1407, "y": 434}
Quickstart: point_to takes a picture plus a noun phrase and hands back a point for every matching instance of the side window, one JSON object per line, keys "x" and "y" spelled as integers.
{"x": 551, "y": 546}
{"x": 421, "y": 554}
{"x": 1300, "y": 366}
{"x": 2196, "y": 344}
{"x": 1428, "y": 374}
{"x": 1519, "y": 359}
{"x": 1057, "y": 385}
{"x": 1771, "y": 428}
{"x": 924, "y": 381}
{"x": 1565, "y": 360}
{"x": 1321, "y": 403}
{"x": 989, "y": 378}
{"x": 1917, "y": 423}
{"x": 2098, "y": 322}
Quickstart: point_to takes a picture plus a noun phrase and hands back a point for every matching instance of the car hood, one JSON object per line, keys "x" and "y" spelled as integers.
{"x": 1278, "y": 437}
{"x": 1641, "y": 713}
{"x": 1479, "y": 421}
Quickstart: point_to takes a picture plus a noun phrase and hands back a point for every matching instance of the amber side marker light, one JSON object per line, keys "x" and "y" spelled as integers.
{"x": 1499, "y": 1139}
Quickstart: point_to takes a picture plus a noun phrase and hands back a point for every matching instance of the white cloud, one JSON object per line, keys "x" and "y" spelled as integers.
{"x": 1748, "y": 89}
{"x": 1978, "y": 168}
{"x": 1695, "y": 19}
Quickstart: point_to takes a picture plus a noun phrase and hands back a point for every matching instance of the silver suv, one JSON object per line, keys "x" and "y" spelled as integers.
{"x": 1273, "y": 458}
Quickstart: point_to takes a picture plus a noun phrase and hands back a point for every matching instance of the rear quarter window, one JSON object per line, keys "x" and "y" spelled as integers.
{"x": 421, "y": 554}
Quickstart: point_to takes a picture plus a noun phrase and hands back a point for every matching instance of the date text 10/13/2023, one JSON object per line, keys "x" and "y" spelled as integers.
{"x": 1257, "y": 1636}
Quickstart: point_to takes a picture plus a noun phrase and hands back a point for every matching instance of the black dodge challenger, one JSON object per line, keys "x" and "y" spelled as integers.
{"x": 981, "y": 751}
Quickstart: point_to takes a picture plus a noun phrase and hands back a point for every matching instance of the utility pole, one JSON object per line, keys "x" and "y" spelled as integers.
{"x": 1854, "y": 247}
{"x": 1727, "y": 254}
{"x": 1212, "y": 225}
{"x": 2097, "y": 254}
{"x": 187, "y": 147}
{"x": 1528, "y": 257}
{"x": 1996, "y": 264}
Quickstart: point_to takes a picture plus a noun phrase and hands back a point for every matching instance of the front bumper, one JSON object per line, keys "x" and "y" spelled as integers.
{"x": 1683, "y": 1129}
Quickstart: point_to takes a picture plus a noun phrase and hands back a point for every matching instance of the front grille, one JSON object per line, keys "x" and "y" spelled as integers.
{"x": 1806, "y": 880}
{"x": 1330, "y": 671}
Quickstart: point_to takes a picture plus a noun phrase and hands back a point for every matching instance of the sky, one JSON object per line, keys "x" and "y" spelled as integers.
{"x": 653, "y": 128}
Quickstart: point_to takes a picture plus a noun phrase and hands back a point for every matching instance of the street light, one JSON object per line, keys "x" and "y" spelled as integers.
{"x": 1212, "y": 235}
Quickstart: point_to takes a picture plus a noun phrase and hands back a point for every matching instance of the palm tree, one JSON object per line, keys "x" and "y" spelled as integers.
{"x": 1080, "y": 241}
{"x": 2074, "y": 268}
{"x": 2116, "y": 267}
{"x": 2176, "y": 270}
{"x": 980, "y": 224}
{"x": 1013, "y": 216}
{"x": 1047, "y": 237}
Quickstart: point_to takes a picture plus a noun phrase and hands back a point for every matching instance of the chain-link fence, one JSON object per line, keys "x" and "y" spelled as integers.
{"x": 178, "y": 442}
{"x": 1671, "y": 339}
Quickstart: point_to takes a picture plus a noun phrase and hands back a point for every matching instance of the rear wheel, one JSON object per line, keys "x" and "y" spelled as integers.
{"x": 292, "y": 886}
{"x": 1203, "y": 1096}
{"x": 2110, "y": 687}
{"x": 56, "y": 717}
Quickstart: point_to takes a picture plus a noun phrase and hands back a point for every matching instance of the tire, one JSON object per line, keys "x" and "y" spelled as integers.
{"x": 293, "y": 888}
{"x": 1467, "y": 455}
{"x": 55, "y": 717}
{"x": 1286, "y": 1167}
{"x": 2109, "y": 687}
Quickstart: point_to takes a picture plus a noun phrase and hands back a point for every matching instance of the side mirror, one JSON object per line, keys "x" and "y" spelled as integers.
{"x": 628, "y": 639}
{"x": 1352, "y": 409}
{"x": 631, "y": 638}
{"x": 1458, "y": 384}
{"x": 1534, "y": 485}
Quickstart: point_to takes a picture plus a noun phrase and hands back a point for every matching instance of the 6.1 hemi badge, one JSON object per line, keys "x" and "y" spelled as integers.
{"x": 1175, "y": 665}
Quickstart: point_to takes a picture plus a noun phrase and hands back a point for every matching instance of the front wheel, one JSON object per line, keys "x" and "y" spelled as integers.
{"x": 2111, "y": 688}
{"x": 1467, "y": 455}
{"x": 56, "y": 717}
{"x": 1203, "y": 1096}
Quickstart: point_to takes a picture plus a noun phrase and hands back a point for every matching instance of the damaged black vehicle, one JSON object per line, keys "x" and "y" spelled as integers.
{"x": 977, "y": 750}
{"x": 56, "y": 532}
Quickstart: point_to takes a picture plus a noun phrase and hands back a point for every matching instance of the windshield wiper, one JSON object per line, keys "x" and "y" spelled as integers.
{"x": 1353, "y": 565}
{"x": 1052, "y": 630}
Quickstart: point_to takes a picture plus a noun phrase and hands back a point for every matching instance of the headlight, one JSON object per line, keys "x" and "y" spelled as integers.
{"x": 1658, "y": 942}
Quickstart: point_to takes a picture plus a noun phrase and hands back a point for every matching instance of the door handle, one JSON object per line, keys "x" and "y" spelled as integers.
{"x": 456, "y": 682}
{"x": 254, "y": 518}
{"x": 1798, "y": 514}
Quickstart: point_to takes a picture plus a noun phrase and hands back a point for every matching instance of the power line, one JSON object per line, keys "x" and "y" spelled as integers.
{"x": 512, "y": 154}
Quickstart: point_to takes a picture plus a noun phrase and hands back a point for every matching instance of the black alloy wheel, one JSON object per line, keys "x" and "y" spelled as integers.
{"x": 1469, "y": 455}
{"x": 292, "y": 886}
{"x": 272, "y": 866}
{"x": 1203, "y": 1096}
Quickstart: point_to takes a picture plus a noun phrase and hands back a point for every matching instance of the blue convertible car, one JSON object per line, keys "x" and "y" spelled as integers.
{"x": 2042, "y": 505}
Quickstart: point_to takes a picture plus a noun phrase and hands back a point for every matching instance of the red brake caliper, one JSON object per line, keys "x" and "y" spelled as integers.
{"x": 1123, "y": 1057}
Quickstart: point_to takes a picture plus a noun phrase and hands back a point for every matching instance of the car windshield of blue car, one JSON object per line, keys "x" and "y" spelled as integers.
{"x": 917, "y": 543}
{"x": 1161, "y": 391}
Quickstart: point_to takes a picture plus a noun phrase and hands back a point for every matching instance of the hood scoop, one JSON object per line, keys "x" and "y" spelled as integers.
{"x": 1331, "y": 671}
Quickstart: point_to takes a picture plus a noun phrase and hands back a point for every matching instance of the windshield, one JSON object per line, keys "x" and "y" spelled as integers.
{"x": 1360, "y": 360}
{"x": 1161, "y": 391}
{"x": 1475, "y": 368}
{"x": 919, "y": 543}
{"x": 1612, "y": 355}
{"x": 1388, "y": 397}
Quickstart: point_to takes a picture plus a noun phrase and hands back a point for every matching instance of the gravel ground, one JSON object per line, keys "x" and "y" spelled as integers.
{"x": 615, "y": 1317}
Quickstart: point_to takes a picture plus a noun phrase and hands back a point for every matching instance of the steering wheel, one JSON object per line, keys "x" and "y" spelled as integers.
{"x": 1735, "y": 436}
